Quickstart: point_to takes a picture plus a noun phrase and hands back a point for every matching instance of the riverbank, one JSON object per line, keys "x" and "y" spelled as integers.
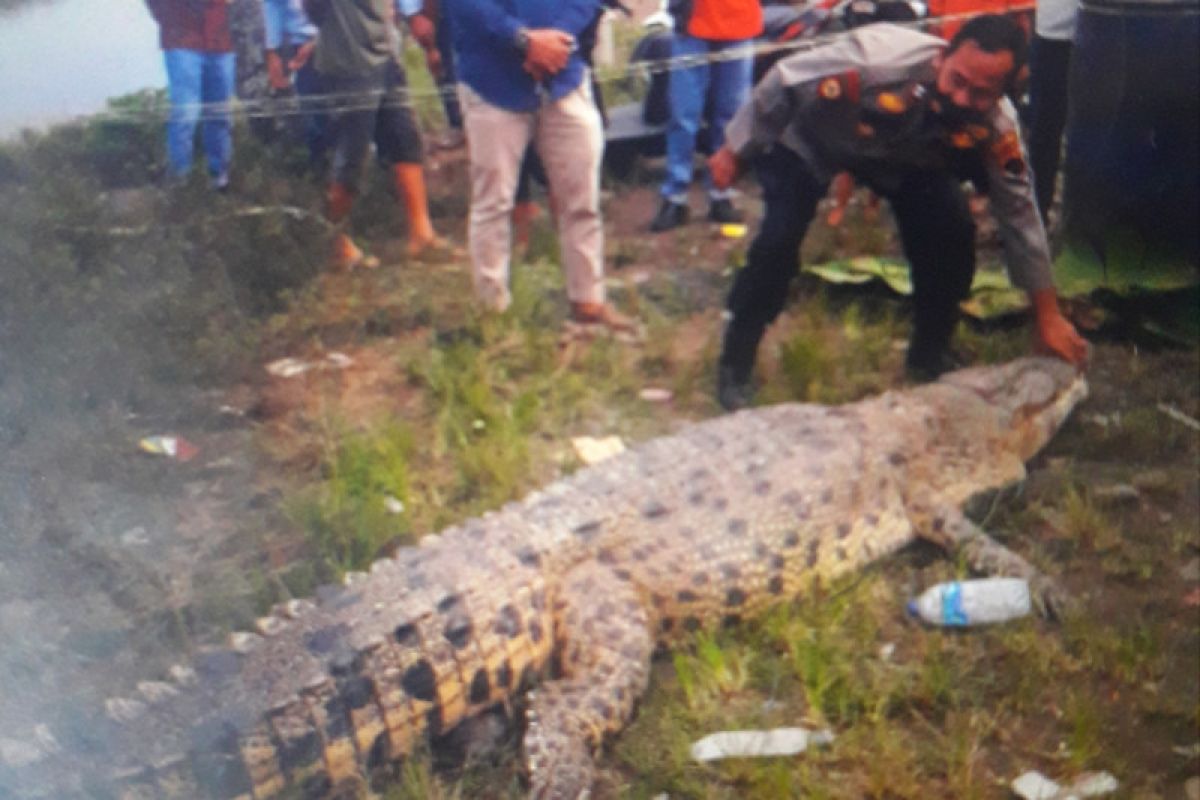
{"x": 129, "y": 311}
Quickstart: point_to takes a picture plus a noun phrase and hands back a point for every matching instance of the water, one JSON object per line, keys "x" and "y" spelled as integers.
{"x": 64, "y": 58}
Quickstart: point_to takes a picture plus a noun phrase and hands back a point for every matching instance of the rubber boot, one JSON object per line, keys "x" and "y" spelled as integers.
{"x": 735, "y": 367}
{"x": 409, "y": 180}
{"x": 346, "y": 254}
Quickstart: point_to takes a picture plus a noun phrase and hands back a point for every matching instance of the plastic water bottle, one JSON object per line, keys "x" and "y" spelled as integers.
{"x": 978, "y": 602}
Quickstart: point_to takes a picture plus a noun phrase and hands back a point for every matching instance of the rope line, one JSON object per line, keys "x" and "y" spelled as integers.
{"x": 292, "y": 104}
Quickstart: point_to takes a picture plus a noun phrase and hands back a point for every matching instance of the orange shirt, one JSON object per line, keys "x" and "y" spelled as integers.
{"x": 725, "y": 20}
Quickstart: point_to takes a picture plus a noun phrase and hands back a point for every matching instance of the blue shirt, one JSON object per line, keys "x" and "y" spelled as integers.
{"x": 285, "y": 22}
{"x": 485, "y": 49}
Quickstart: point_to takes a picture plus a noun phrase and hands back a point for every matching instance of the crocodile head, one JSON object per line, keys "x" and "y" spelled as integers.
{"x": 1032, "y": 396}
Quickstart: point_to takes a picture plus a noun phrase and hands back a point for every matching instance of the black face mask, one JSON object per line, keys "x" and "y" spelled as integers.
{"x": 945, "y": 111}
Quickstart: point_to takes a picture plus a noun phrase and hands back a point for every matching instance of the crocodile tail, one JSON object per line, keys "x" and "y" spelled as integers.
{"x": 323, "y": 693}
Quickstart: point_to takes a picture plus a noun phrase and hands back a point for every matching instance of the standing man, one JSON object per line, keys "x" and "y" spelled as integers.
{"x": 911, "y": 117}
{"x": 717, "y": 33}
{"x": 358, "y": 59}
{"x": 1050, "y": 62}
{"x": 198, "y": 52}
{"x": 289, "y": 39}
{"x": 523, "y": 78}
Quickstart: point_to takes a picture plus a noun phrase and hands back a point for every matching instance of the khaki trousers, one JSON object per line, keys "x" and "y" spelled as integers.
{"x": 569, "y": 138}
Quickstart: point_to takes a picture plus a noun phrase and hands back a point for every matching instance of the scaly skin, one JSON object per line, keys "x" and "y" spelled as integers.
{"x": 714, "y": 524}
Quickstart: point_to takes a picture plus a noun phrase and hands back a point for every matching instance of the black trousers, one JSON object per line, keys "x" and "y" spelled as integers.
{"x": 936, "y": 229}
{"x": 1050, "y": 62}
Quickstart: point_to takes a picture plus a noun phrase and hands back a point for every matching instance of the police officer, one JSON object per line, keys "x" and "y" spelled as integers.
{"x": 911, "y": 117}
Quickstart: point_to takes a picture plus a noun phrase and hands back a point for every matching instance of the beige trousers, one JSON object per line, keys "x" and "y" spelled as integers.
{"x": 569, "y": 138}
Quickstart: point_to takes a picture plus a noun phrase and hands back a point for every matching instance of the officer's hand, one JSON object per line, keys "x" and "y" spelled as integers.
{"x": 549, "y": 50}
{"x": 1056, "y": 335}
{"x": 723, "y": 168}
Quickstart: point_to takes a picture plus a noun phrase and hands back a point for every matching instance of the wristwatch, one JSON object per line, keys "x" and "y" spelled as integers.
{"x": 521, "y": 39}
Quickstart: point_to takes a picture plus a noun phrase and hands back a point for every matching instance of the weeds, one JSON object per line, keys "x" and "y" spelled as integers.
{"x": 359, "y": 508}
{"x": 483, "y": 409}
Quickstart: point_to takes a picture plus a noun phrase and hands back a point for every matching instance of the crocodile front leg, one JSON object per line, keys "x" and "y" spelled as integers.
{"x": 949, "y": 528}
{"x": 603, "y": 634}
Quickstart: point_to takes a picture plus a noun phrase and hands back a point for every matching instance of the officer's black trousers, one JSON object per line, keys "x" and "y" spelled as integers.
{"x": 936, "y": 229}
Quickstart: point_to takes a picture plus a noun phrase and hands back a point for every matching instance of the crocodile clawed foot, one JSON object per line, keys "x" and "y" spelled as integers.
{"x": 1050, "y": 599}
{"x": 567, "y": 775}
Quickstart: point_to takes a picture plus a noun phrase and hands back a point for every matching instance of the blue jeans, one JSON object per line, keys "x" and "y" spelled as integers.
{"x": 195, "y": 77}
{"x": 722, "y": 86}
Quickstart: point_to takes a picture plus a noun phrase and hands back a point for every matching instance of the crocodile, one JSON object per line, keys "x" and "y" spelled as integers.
{"x": 566, "y": 594}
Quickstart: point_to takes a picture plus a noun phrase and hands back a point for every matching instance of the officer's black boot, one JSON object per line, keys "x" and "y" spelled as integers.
{"x": 929, "y": 354}
{"x": 735, "y": 367}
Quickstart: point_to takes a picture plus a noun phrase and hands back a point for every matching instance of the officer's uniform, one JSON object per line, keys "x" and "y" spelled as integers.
{"x": 864, "y": 104}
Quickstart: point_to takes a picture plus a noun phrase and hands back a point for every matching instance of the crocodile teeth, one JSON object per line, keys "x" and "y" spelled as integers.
{"x": 269, "y": 626}
{"x": 122, "y": 709}
{"x": 292, "y": 609}
{"x": 314, "y": 683}
{"x": 156, "y": 691}
{"x": 184, "y": 676}
{"x": 243, "y": 642}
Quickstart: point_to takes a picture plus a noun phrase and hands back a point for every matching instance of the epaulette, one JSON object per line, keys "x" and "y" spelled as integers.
{"x": 846, "y": 86}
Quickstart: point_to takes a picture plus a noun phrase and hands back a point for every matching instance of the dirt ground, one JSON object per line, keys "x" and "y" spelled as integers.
{"x": 116, "y": 563}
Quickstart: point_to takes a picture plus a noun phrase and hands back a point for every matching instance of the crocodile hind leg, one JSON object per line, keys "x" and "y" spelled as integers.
{"x": 949, "y": 528}
{"x": 604, "y": 650}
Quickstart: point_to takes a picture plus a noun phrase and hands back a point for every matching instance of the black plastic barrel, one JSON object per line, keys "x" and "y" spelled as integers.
{"x": 1132, "y": 171}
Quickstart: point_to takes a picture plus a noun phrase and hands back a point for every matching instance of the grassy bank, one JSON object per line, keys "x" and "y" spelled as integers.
{"x": 120, "y": 298}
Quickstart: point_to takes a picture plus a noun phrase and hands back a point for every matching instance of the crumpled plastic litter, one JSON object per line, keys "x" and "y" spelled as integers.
{"x": 744, "y": 744}
{"x": 652, "y": 394}
{"x": 592, "y": 450}
{"x": 175, "y": 447}
{"x": 291, "y": 367}
{"x": 1033, "y": 785}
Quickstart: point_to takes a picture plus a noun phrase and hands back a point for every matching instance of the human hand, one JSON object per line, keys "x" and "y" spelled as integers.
{"x": 548, "y": 52}
{"x": 1056, "y": 335}
{"x": 302, "y": 54}
{"x": 276, "y": 77}
{"x": 423, "y": 31}
{"x": 433, "y": 61}
{"x": 723, "y": 168}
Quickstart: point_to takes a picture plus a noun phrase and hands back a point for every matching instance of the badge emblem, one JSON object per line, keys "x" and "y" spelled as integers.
{"x": 830, "y": 89}
{"x": 891, "y": 103}
{"x": 962, "y": 140}
{"x": 1007, "y": 153}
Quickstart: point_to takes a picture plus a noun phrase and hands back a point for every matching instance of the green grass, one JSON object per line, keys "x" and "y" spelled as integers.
{"x": 483, "y": 413}
{"x": 348, "y": 518}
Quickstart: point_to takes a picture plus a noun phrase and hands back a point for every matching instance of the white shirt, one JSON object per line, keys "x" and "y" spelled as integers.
{"x": 1056, "y": 19}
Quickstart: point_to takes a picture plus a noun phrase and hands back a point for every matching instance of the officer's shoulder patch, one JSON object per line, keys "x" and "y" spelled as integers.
{"x": 891, "y": 103}
{"x": 838, "y": 87}
{"x": 1006, "y": 153}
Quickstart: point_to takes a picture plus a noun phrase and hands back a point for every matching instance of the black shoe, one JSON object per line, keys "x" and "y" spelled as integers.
{"x": 734, "y": 388}
{"x": 670, "y": 215}
{"x": 735, "y": 366}
{"x": 925, "y": 365}
{"x": 723, "y": 211}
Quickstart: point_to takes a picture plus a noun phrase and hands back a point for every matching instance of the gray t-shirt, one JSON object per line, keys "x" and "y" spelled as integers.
{"x": 356, "y": 37}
